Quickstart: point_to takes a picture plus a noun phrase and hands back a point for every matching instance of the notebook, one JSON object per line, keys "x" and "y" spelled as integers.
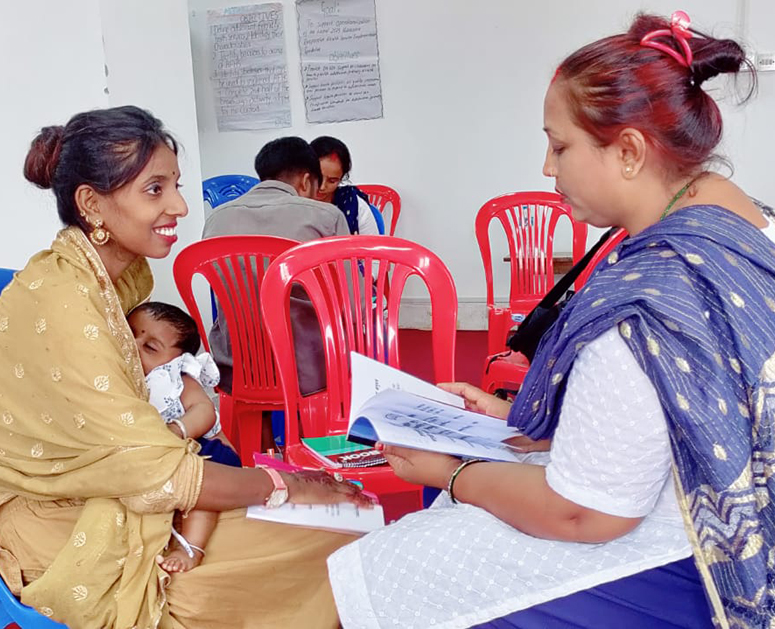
{"x": 337, "y": 451}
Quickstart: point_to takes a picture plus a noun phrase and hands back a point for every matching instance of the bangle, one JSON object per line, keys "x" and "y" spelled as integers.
{"x": 182, "y": 427}
{"x": 458, "y": 469}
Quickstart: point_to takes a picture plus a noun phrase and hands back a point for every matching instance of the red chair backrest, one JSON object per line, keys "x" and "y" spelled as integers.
{"x": 221, "y": 261}
{"x": 602, "y": 253}
{"x": 338, "y": 274}
{"x": 379, "y": 197}
{"x": 529, "y": 220}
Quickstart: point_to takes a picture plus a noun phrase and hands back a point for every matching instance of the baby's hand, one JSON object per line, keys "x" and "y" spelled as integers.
{"x": 175, "y": 429}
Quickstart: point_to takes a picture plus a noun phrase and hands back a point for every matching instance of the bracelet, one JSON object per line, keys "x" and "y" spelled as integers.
{"x": 186, "y": 545}
{"x": 458, "y": 469}
{"x": 182, "y": 427}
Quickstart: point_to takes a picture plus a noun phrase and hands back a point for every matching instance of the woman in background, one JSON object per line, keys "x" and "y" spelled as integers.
{"x": 335, "y": 163}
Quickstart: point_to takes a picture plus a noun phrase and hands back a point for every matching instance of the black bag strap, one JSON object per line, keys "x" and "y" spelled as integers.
{"x": 561, "y": 287}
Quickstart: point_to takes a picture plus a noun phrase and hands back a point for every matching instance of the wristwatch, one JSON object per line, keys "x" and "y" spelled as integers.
{"x": 279, "y": 495}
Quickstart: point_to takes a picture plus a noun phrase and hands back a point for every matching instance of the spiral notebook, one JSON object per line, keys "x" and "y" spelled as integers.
{"x": 337, "y": 451}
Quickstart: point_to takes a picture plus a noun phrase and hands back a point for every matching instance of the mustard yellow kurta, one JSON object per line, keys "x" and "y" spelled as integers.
{"x": 90, "y": 476}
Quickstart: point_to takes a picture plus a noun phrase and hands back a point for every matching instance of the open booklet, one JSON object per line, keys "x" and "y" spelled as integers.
{"x": 344, "y": 517}
{"x": 395, "y": 408}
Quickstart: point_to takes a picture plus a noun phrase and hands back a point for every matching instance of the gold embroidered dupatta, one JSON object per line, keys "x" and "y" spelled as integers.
{"x": 77, "y": 425}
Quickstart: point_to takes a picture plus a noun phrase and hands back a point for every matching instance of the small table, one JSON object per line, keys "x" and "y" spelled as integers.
{"x": 562, "y": 263}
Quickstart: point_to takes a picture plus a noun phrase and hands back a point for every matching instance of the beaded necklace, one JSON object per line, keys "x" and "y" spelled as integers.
{"x": 677, "y": 196}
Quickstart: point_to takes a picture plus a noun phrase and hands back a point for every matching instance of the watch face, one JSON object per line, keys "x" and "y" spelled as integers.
{"x": 277, "y": 498}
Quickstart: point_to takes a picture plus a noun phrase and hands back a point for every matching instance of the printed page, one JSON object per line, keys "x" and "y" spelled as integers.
{"x": 399, "y": 418}
{"x": 370, "y": 377}
{"x": 343, "y": 517}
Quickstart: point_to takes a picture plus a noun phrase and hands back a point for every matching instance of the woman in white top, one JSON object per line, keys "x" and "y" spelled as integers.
{"x": 335, "y": 164}
{"x": 663, "y": 366}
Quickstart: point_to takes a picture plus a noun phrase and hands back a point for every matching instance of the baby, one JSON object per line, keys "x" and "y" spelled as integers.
{"x": 168, "y": 340}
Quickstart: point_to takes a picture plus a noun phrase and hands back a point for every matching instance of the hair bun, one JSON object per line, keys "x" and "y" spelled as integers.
{"x": 43, "y": 156}
{"x": 716, "y": 56}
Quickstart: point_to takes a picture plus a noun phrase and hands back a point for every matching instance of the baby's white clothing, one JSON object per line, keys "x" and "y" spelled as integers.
{"x": 165, "y": 385}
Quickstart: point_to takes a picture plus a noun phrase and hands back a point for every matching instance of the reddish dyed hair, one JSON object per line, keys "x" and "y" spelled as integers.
{"x": 615, "y": 83}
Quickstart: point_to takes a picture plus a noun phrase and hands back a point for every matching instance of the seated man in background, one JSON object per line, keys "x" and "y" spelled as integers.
{"x": 284, "y": 205}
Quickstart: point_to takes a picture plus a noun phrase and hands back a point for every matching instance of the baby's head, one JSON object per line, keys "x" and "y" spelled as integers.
{"x": 163, "y": 332}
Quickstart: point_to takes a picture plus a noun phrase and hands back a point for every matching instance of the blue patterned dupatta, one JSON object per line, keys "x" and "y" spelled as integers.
{"x": 346, "y": 199}
{"x": 694, "y": 298}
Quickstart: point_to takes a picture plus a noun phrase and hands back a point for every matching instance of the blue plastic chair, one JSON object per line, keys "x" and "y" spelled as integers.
{"x": 223, "y": 188}
{"x": 6, "y": 275}
{"x": 378, "y": 218}
{"x": 14, "y": 615}
{"x": 219, "y": 190}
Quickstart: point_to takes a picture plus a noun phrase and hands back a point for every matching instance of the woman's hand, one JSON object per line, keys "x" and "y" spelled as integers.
{"x": 477, "y": 400}
{"x": 481, "y": 402}
{"x": 319, "y": 487}
{"x": 420, "y": 466}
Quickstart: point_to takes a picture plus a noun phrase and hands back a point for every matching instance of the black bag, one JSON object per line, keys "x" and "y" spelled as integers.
{"x": 526, "y": 338}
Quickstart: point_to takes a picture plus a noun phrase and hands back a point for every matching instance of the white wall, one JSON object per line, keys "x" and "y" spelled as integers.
{"x": 148, "y": 57}
{"x": 463, "y": 85}
{"x": 749, "y": 135}
{"x": 52, "y": 68}
{"x": 56, "y": 67}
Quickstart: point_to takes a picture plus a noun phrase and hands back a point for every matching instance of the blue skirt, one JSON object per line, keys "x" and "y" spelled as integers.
{"x": 667, "y": 597}
{"x": 219, "y": 452}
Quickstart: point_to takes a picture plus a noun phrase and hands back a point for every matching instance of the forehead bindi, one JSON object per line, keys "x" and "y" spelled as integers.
{"x": 162, "y": 165}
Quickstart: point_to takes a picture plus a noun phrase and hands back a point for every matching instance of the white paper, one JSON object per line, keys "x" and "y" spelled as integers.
{"x": 344, "y": 517}
{"x": 249, "y": 74}
{"x": 400, "y": 418}
{"x": 369, "y": 377}
{"x": 339, "y": 60}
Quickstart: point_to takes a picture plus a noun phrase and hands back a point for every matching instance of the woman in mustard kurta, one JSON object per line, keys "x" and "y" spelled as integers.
{"x": 90, "y": 477}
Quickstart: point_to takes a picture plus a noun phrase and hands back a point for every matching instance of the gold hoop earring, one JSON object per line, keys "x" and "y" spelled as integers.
{"x": 99, "y": 236}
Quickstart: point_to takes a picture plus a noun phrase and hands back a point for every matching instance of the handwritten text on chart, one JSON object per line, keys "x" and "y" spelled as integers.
{"x": 340, "y": 60}
{"x": 249, "y": 75}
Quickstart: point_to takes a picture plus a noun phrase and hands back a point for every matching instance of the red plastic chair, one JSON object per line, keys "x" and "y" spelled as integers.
{"x": 602, "y": 253}
{"x": 379, "y": 197}
{"x": 347, "y": 279}
{"x": 507, "y": 370}
{"x": 529, "y": 220}
{"x": 255, "y": 387}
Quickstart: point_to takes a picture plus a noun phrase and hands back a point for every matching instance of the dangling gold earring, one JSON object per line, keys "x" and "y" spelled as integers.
{"x": 99, "y": 236}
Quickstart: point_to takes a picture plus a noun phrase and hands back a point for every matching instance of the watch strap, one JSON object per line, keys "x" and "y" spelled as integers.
{"x": 279, "y": 485}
